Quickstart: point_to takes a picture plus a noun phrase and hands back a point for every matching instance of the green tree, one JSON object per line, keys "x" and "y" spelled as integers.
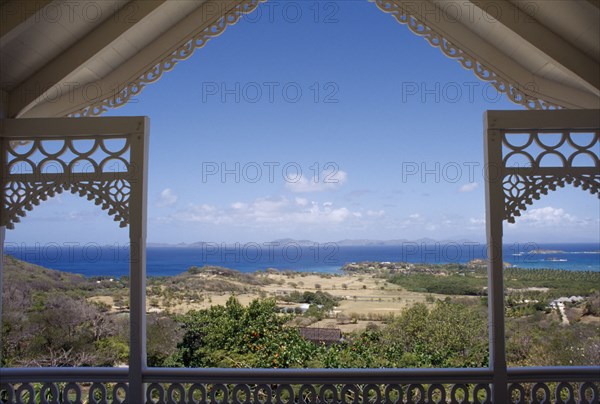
{"x": 448, "y": 335}
{"x": 237, "y": 336}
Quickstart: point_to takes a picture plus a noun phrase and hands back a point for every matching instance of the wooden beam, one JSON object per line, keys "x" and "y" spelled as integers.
{"x": 560, "y": 120}
{"x": 3, "y": 104}
{"x": 64, "y": 127}
{"x": 16, "y": 15}
{"x": 79, "y": 53}
{"x": 205, "y": 15}
{"x": 558, "y": 50}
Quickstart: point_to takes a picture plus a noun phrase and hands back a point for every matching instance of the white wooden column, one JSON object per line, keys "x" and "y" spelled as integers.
{"x": 3, "y": 219}
{"x": 137, "y": 266}
{"x": 123, "y": 193}
{"x": 510, "y": 187}
{"x": 494, "y": 203}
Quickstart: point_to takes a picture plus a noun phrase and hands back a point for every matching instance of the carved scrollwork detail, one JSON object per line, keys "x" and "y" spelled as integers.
{"x": 98, "y": 169}
{"x": 21, "y": 196}
{"x": 521, "y": 96}
{"x": 197, "y": 41}
{"x": 522, "y": 190}
{"x": 527, "y": 173}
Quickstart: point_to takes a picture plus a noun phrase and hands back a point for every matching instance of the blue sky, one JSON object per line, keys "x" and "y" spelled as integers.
{"x": 385, "y": 131}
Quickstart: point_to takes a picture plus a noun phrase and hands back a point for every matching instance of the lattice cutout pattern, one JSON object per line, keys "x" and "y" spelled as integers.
{"x": 564, "y": 147}
{"x": 533, "y": 176}
{"x": 97, "y": 168}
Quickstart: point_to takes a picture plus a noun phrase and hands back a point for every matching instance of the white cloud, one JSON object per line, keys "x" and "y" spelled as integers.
{"x": 167, "y": 198}
{"x": 476, "y": 221}
{"x": 547, "y": 216}
{"x": 302, "y": 201}
{"x": 377, "y": 213}
{"x": 267, "y": 210}
{"x": 469, "y": 187}
{"x": 202, "y": 213}
{"x": 414, "y": 219}
{"x": 338, "y": 215}
{"x": 327, "y": 181}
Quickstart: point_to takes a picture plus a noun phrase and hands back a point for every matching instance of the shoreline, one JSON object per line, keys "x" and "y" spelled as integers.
{"x": 163, "y": 269}
{"x": 358, "y": 297}
{"x": 94, "y": 260}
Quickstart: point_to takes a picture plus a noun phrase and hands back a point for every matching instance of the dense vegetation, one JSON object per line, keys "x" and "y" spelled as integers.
{"x": 50, "y": 320}
{"x": 472, "y": 281}
{"x": 47, "y": 320}
{"x": 238, "y": 336}
{"x": 450, "y": 334}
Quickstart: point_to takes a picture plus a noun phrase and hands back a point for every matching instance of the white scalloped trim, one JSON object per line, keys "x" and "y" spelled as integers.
{"x": 467, "y": 61}
{"x": 484, "y": 73}
{"x": 182, "y": 52}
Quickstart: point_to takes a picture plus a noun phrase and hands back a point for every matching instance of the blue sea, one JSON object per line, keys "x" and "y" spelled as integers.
{"x": 113, "y": 260}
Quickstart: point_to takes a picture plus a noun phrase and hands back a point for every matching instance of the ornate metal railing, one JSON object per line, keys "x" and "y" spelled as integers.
{"x": 319, "y": 385}
{"x": 64, "y": 385}
{"x": 187, "y": 386}
{"x": 554, "y": 385}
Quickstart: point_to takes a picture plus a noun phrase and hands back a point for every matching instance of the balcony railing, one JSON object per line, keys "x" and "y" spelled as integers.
{"x": 186, "y": 386}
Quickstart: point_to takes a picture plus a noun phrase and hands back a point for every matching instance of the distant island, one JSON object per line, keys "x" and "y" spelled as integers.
{"x": 547, "y": 252}
{"x": 308, "y": 243}
{"x": 413, "y": 268}
{"x": 359, "y": 243}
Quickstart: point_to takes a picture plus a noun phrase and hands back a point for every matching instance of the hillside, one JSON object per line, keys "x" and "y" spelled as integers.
{"x": 54, "y": 318}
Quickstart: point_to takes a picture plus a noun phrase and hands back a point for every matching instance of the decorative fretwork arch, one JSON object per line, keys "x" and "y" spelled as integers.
{"x": 521, "y": 190}
{"x": 94, "y": 158}
{"x": 528, "y": 154}
{"x": 35, "y": 174}
{"x": 523, "y": 185}
{"x": 543, "y": 157}
{"x": 525, "y": 95}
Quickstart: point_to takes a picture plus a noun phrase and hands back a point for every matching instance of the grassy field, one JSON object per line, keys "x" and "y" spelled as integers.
{"x": 360, "y": 296}
{"x": 373, "y": 295}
